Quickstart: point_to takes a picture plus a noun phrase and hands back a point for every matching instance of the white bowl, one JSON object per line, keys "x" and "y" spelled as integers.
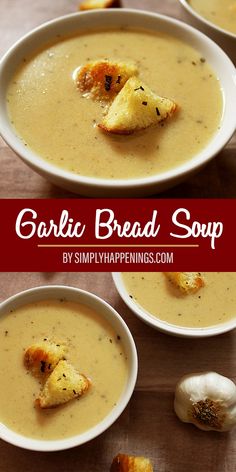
{"x": 224, "y": 38}
{"x": 107, "y": 312}
{"x": 162, "y": 325}
{"x": 80, "y": 22}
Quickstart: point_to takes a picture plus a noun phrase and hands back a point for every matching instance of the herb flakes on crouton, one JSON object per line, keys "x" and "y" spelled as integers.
{"x": 125, "y": 463}
{"x": 42, "y": 357}
{"x": 135, "y": 108}
{"x": 103, "y": 80}
{"x": 64, "y": 384}
{"x": 97, "y": 4}
{"x": 186, "y": 282}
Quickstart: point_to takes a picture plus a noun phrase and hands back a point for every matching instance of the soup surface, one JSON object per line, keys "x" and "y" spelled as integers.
{"x": 220, "y": 12}
{"x": 55, "y": 121}
{"x": 211, "y": 305}
{"x": 93, "y": 348}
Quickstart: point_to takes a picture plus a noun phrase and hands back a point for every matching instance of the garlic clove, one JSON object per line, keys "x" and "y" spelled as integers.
{"x": 207, "y": 400}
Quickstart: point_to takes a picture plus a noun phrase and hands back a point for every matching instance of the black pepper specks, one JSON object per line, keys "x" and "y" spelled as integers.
{"x": 43, "y": 366}
{"x": 118, "y": 79}
{"x": 144, "y": 103}
{"x": 139, "y": 88}
{"x": 158, "y": 112}
{"x": 108, "y": 82}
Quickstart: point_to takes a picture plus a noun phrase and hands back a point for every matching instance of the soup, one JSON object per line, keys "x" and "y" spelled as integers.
{"x": 59, "y": 124}
{"x": 93, "y": 348}
{"x": 220, "y": 12}
{"x": 213, "y": 304}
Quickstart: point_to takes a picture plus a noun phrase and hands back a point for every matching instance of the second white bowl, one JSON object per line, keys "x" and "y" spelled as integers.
{"x": 163, "y": 326}
{"x": 225, "y": 39}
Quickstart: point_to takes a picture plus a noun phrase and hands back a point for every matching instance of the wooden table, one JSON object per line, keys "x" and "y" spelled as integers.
{"x": 217, "y": 179}
{"x": 148, "y": 426}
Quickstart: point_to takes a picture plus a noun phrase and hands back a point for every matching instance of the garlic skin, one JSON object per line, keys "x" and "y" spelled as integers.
{"x": 207, "y": 400}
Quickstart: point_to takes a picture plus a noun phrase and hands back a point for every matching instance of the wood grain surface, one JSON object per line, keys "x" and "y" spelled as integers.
{"x": 148, "y": 426}
{"x": 17, "y": 17}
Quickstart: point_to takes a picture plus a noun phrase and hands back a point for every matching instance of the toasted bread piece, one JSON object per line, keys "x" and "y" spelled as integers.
{"x": 125, "y": 463}
{"x": 103, "y": 80}
{"x": 64, "y": 384}
{"x": 41, "y": 358}
{"x": 135, "y": 108}
{"x": 96, "y": 4}
{"x": 186, "y": 282}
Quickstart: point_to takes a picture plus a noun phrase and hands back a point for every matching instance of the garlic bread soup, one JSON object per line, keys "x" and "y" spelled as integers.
{"x": 63, "y": 368}
{"x": 187, "y": 299}
{"x": 220, "y": 12}
{"x": 119, "y": 139}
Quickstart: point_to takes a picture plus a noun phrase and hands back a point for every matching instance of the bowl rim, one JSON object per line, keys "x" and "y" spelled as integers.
{"x": 218, "y": 28}
{"x": 42, "y": 166}
{"x": 163, "y": 326}
{"x": 10, "y": 436}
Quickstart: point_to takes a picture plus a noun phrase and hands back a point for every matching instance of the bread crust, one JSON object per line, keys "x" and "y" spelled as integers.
{"x": 103, "y": 80}
{"x": 99, "y": 4}
{"x": 186, "y": 282}
{"x": 42, "y": 357}
{"x": 135, "y": 108}
{"x": 126, "y": 463}
{"x": 63, "y": 385}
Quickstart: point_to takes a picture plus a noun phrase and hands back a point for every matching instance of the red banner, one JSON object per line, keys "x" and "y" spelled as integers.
{"x": 117, "y": 234}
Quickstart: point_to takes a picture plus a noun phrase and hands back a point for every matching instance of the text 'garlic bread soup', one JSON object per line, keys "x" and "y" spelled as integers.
{"x": 127, "y": 137}
{"x": 64, "y": 366}
{"x": 185, "y": 299}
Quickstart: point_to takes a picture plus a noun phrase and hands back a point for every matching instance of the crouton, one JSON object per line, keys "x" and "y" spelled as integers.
{"x": 186, "y": 282}
{"x": 103, "y": 80}
{"x": 96, "y": 4}
{"x": 64, "y": 384}
{"x": 135, "y": 108}
{"x": 124, "y": 463}
{"x": 41, "y": 358}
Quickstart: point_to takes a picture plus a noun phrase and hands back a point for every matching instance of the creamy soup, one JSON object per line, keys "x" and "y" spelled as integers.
{"x": 93, "y": 348}
{"x": 55, "y": 121}
{"x": 220, "y": 12}
{"x": 211, "y": 305}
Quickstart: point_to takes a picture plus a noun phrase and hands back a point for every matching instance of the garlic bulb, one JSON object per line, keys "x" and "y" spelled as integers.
{"x": 208, "y": 400}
